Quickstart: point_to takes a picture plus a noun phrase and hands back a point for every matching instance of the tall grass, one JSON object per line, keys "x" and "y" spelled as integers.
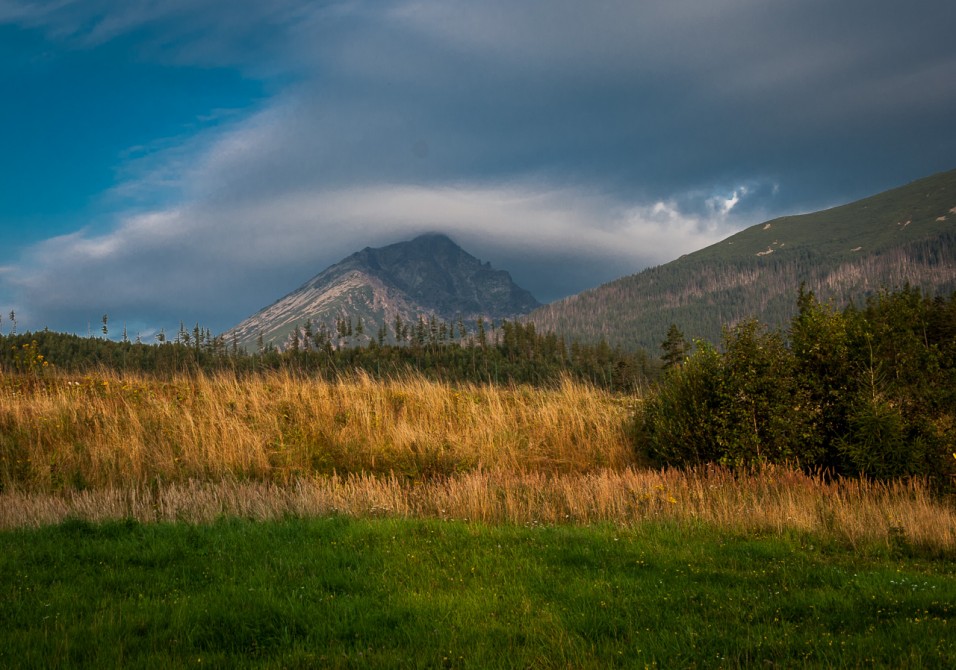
{"x": 853, "y": 512}
{"x": 121, "y": 431}
{"x": 197, "y": 448}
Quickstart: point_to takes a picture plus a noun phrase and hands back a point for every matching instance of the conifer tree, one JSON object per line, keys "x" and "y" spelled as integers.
{"x": 307, "y": 334}
{"x": 420, "y": 332}
{"x": 675, "y": 347}
{"x": 399, "y": 329}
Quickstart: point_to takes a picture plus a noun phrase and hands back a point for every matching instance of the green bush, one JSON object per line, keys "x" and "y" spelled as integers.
{"x": 678, "y": 421}
{"x": 741, "y": 407}
{"x": 867, "y": 391}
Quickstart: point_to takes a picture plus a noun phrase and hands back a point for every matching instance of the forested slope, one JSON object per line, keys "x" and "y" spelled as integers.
{"x": 903, "y": 236}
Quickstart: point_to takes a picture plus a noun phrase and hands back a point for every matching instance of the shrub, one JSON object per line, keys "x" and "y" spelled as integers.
{"x": 869, "y": 392}
{"x": 678, "y": 420}
{"x": 741, "y": 407}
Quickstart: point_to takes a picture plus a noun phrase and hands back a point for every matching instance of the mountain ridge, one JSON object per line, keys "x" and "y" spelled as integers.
{"x": 428, "y": 276}
{"x": 906, "y": 235}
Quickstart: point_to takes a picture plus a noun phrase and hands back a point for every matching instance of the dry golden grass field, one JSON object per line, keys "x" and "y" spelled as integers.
{"x": 199, "y": 447}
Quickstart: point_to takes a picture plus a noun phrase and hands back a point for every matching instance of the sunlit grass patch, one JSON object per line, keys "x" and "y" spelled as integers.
{"x": 266, "y": 446}
{"x": 126, "y": 430}
{"x": 901, "y": 516}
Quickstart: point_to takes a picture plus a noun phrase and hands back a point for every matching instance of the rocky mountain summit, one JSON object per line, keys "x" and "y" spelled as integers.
{"x": 429, "y": 276}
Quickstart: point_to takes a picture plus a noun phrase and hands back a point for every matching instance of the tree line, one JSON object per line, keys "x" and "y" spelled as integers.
{"x": 503, "y": 353}
{"x": 700, "y": 294}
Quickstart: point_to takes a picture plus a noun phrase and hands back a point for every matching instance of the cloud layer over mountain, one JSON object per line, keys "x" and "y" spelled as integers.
{"x": 568, "y": 142}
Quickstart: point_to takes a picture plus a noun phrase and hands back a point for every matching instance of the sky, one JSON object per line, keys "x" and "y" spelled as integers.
{"x": 195, "y": 160}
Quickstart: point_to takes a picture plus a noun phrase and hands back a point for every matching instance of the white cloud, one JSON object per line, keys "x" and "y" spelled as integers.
{"x": 721, "y": 206}
{"x": 225, "y": 262}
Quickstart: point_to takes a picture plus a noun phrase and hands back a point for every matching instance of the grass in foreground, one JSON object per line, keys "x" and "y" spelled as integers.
{"x": 340, "y": 592}
{"x": 773, "y": 500}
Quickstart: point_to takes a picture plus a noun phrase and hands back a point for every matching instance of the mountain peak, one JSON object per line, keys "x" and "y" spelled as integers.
{"x": 431, "y": 238}
{"x": 428, "y": 275}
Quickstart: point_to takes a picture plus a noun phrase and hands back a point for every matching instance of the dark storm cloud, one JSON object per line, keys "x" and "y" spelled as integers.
{"x": 569, "y": 142}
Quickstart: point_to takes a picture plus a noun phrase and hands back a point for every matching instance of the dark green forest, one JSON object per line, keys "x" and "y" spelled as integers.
{"x": 502, "y": 353}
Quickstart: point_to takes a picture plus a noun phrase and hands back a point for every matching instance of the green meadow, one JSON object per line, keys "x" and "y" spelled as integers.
{"x": 344, "y": 592}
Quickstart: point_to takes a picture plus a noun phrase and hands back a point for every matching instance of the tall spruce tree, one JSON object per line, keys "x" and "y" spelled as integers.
{"x": 675, "y": 347}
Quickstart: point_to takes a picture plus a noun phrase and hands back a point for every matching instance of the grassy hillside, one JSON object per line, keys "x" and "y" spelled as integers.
{"x": 906, "y": 235}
